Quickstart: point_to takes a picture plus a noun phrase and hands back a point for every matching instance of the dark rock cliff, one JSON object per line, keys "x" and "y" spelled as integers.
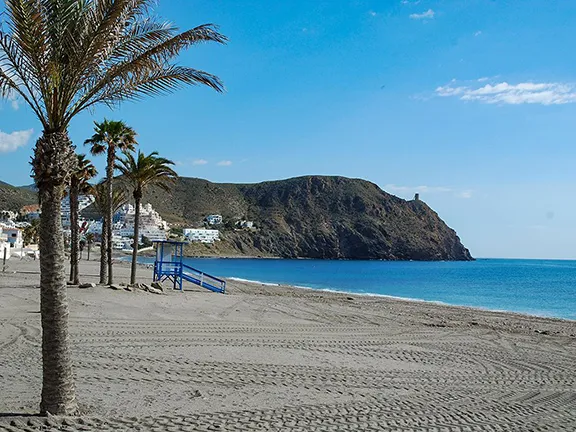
{"x": 315, "y": 217}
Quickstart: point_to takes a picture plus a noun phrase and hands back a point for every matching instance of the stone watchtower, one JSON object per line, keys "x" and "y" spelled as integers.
{"x": 417, "y": 197}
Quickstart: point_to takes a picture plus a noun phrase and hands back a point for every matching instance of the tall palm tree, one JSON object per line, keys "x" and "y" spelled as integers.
{"x": 110, "y": 136}
{"x": 61, "y": 57}
{"x": 119, "y": 198}
{"x": 141, "y": 172}
{"x": 78, "y": 184}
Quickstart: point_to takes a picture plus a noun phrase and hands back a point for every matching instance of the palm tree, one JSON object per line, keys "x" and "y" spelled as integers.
{"x": 30, "y": 233}
{"x": 110, "y": 136}
{"x": 119, "y": 198}
{"x": 78, "y": 184}
{"x": 62, "y": 57}
{"x": 89, "y": 243}
{"x": 141, "y": 172}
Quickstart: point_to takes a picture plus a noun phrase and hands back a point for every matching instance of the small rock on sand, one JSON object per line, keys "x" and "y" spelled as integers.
{"x": 154, "y": 290}
{"x": 158, "y": 286}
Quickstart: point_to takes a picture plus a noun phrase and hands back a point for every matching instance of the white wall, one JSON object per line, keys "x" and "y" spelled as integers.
{"x": 4, "y": 246}
{"x": 201, "y": 235}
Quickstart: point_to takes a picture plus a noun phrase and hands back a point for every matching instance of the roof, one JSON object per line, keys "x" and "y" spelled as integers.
{"x": 31, "y": 208}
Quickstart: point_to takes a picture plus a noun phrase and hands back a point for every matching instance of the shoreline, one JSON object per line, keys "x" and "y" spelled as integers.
{"x": 124, "y": 261}
{"x": 403, "y": 299}
{"x": 412, "y": 299}
{"x": 329, "y": 291}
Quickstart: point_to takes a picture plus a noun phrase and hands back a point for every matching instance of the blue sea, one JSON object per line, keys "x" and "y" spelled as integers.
{"x": 536, "y": 287}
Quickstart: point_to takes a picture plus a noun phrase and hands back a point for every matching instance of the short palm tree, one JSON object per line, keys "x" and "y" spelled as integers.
{"x": 30, "y": 232}
{"x": 89, "y": 243}
{"x": 109, "y": 137}
{"x": 62, "y": 57}
{"x": 141, "y": 172}
{"x": 119, "y": 198}
{"x": 78, "y": 184}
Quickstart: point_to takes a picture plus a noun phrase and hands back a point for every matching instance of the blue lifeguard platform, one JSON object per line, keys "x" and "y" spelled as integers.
{"x": 168, "y": 265}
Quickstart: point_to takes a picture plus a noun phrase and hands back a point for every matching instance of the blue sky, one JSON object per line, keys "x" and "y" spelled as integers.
{"x": 471, "y": 104}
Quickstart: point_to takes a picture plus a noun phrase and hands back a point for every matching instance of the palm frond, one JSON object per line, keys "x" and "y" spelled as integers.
{"x": 119, "y": 197}
{"x": 146, "y": 170}
{"x": 111, "y": 134}
{"x": 63, "y": 56}
{"x": 84, "y": 173}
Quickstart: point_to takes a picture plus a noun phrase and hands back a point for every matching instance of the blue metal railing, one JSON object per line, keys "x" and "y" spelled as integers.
{"x": 203, "y": 279}
{"x": 177, "y": 272}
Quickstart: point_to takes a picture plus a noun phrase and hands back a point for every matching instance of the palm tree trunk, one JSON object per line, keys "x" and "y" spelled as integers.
{"x": 52, "y": 164}
{"x": 137, "y": 199}
{"x": 89, "y": 247}
{"x": 104, "y": 252}
{"x": 74, "y": 241}
{"x": 109, "y": 214}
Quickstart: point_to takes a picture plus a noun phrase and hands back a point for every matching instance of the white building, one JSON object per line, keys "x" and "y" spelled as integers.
{"x": 7, "y": 215}
{"x": 151, "y": 225}
{"x": 95, "y": 227}
{"x": 201, "y": 235}
{"x": 121, "y": 243}
{"x": 31, "y": 212}
{"x": 83, "y": 202}
{"x": 150, "y": 232}
{"x": 14, "y": 237}
{"x": 245, "y": 224}
{"x": 214, "y": 219}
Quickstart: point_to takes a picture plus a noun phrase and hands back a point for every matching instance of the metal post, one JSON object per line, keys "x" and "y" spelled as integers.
{"x": 161, "y": 258}
{"x": 4, "y": 261}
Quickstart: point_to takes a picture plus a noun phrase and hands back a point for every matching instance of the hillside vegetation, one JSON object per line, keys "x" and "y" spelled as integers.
{"x": 14, "y": 198}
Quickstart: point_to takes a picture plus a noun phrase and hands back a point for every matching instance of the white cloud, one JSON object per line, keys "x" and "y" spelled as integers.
{"x": 464, "y": 194}
{"x": 224, "y": 163}
{"x": 429, "y": 14}
{"x": 478, "y": 33}
{"x": 409, "y": 190}
{"x": 12, "y": 141}
{"x": 513, "y": 94}
{"x": 416, "y": 189}
{"x": 199, "y": 162}
{"x": 410, "y": 2}
{"x": 372, "y": 13}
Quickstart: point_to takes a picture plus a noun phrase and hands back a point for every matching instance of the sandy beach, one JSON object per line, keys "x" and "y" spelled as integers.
{"x": 281, "y": 358}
